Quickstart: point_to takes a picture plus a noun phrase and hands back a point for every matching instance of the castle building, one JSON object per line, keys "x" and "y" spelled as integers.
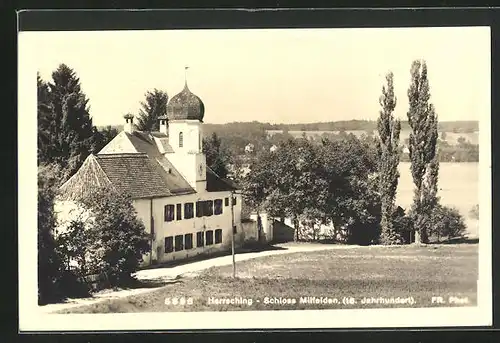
{"x": 182, "y": 203}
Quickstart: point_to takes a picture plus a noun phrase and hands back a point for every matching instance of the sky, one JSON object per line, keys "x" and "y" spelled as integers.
{"x": 274, "y": 75}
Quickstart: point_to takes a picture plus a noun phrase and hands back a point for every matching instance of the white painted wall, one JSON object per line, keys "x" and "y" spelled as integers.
{"x": 119, "y": 144}
{"x": 267, "y": 228}
{"x": 188, "y": 159}
{"x": 164, "y": 229}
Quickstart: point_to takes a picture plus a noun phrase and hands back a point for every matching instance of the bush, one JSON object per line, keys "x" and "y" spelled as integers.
{"x": 447, "y": 222}
{"x": 402, "y": 225}
{"x": 119, "y": 237}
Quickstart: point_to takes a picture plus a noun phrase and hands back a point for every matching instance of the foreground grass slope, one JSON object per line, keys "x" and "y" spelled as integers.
{"x": 408, "y": 271}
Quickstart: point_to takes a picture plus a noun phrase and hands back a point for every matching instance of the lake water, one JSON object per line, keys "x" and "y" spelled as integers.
{"x": 458, "y": 186}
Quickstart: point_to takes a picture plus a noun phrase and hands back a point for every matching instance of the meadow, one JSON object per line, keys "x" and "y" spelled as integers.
{"x": 409, "y": 273}
{"x": 458, "y": 187}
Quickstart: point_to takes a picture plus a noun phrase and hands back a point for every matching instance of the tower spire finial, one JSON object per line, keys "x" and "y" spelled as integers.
{"x": 185, "y": 75}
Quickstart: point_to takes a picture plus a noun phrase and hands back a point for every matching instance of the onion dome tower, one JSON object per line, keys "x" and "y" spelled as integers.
{"x": 185, "y": 112}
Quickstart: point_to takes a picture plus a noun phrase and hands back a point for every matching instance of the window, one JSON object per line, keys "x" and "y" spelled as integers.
{"x": 218, "y": 206}
{"x": 200, "y": 239}
{"x": 188, "y": 210}
{"x": 210, "y": 237}
{"x": 234, "y": 201}
{"x": 179, "y": 242}
{"x": 188, "y": 241}
{"x": 226, "y": 201}
{"x": 199, "y": 208}
{"x": 234, "y": 230}
{"x": 218, "y": 236}
{"x": 209, "y": 208}
{"x": 181, "y": 140}
{"x": 179, "y": 212}
{"x": 169, "y": 244}
{"x": 169, "y": 213}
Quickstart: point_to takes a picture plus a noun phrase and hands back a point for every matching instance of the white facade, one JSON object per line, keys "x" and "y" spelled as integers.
{"x": 164, "y": 228}
{"x": 185, "y": 137}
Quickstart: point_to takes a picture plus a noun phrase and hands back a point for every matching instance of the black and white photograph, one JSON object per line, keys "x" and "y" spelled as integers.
{"x": 254, "y": 178}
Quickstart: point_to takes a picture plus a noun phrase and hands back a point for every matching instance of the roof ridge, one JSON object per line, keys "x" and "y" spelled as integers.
{"x": 123, "y": 154}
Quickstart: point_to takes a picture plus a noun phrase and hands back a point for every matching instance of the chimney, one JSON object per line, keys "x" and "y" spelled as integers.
{"x": 163, "y": 124}
{"x": 129, "y": 123}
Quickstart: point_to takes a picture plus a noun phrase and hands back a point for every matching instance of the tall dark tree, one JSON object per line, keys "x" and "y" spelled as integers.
{"x": 218, "y": 157}
{"x": 389, "y": 129}
{"x": 153, "y": 107}
{"x": 423, "y": 150}
{"x": 45, "y": 120}
{"x": 103, "y": 137}
{"x": 49, "y": 262}
{"x": 66, "y": 140}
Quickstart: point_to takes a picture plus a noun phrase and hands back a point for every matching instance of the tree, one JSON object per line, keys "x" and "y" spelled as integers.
{"x": 389, "y": 129}
{"x": 64, "y": 127}
{"x": 353, "y": 202}
{"x": 287, "y": 182}
{"x": 218, "y": 157}
{"x": 153, "y": 107}
{"x": 447, "y": 223}
{"x": 119, "y": 237}
{"x": 49, "y": 263}
{"x": 102, "y": 137}
{"x": 423, "y": 153}
{"x": 45, "y": 120}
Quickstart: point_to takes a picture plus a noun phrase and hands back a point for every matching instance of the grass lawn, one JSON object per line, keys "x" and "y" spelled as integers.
{"x": 408, "y": 272}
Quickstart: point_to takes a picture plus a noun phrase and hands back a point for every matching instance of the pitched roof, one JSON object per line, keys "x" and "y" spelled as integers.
{"x": 135, "y": 174}
{"x": 89, "y": 177}
{"x": 135, "y": 163}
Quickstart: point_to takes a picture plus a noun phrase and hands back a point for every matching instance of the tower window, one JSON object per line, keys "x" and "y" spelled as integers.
{"x": 181, "y": 140}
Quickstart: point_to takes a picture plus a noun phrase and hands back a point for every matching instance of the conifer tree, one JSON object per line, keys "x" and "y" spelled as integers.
{"x": 389, "y": 129}
{"x": 45, "y": 120}
{"x": 154, "y": 106}
{"x": 65, "y": 125}
{"x": 423, "y": 150}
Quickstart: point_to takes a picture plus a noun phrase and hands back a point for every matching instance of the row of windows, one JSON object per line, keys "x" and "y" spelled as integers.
{"x": 185, "y": 242}
{"x": 204, "y": 208}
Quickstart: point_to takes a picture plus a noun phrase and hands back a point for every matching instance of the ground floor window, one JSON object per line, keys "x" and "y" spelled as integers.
{"x": 218, "y": 236}
{"x": 169, "y": 244}
{"x": 188, "y": 241}
{"x": 200, "y": 239}
{"x": 234, "y": 229}
{"x": 226, "y": 201}
{"x": 179, "y": 242}
{"x": 209, "y": 237}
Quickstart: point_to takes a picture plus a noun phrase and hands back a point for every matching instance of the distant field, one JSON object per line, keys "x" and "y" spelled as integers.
{"x": 458, "y": 187}
{"x": 406, "y": 272}
{"x": 450, "y": 137}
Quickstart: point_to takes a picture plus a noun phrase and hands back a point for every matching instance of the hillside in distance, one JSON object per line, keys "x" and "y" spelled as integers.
{"x": 344, "y": 125}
